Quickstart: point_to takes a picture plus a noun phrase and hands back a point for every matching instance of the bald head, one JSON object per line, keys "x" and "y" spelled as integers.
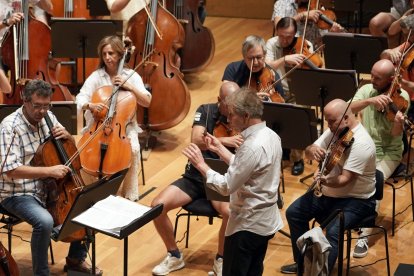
{"x": 334, "y": 111}
{"x": 384, "y": 67}
{"x": 228, "y": 88}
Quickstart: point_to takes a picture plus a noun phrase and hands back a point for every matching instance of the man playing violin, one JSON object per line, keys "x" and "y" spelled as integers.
{"x": 191, "y": 185}
{"x": 247, "y": 72}
{"x": 22, "y": 191}
{"x": 371, "y": 100}
{"x": 348, "y": 186}
{"x": 110, "y": 51}
{"x": 290, "y": 8}
{"x": 407, "y": 64}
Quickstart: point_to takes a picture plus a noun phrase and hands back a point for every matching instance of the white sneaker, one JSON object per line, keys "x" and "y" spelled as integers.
{"x": 168, "y": 265}
{"x": 361, "y": 248}
{"x": 218, "y": 266}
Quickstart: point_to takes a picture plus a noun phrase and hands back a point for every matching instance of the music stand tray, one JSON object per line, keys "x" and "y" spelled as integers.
{"x": 347, "y": 51}
{"x": 221, "y": 167}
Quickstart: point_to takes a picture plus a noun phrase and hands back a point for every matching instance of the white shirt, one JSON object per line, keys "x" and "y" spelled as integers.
{"x": 359, "y": 159}
{"x": 252, "y": 181}
{"x": 98, "y": 79}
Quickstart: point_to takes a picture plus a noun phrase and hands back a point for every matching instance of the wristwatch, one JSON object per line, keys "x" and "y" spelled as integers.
{"x": 5, "y": 23}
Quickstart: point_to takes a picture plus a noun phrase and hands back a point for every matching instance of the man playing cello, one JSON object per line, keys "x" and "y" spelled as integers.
{"x": 22, "y": 191}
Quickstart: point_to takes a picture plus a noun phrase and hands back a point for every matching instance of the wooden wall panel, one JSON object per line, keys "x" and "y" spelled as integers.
{"x": 261, "y": 9}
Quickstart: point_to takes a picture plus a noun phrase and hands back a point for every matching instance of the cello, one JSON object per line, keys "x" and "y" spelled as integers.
{"x": 29, "y": 61}
{"x": 170, "y": 97}
{"x": 199, "y": 46}
{"x": 107, "y": 148}
{"x": 8, "y": 266}
{"x": 61, "y": 193}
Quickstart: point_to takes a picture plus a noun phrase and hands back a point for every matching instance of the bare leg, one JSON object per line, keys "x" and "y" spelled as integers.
{"x": 172, "y": 197}
{"x": 223, "y": 209}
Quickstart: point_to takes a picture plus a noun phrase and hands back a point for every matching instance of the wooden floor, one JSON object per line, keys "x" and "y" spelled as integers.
{"x": 166, "y": 163}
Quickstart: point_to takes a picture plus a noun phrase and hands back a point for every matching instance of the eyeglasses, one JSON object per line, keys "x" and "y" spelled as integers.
{"x": 259, "y": 58}
{"x": 41, "y": 106}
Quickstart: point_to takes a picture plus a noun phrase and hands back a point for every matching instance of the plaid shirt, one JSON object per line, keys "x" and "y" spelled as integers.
{"x": 23, "y": 139}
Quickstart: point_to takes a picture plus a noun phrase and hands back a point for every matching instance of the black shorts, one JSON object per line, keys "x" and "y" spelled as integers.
{"x": 194, "y": 189}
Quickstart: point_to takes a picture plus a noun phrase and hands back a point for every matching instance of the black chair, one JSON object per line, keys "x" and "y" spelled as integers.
{"x": 400, "y": 178}
{"x": 368, "y": 222}
{"x": 198, "y": 207}
{"x": 9, "y": 220}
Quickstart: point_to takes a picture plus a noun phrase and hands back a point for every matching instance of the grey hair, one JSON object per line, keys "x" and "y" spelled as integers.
{"x": 38, "y": 87}
{"x": 252, "y": 41}
{"x": 245, "y": 102}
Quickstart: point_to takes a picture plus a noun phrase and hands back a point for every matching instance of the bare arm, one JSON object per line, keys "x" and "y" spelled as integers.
{"x": 119, "y": 5}
{"x": 29, "y": 172}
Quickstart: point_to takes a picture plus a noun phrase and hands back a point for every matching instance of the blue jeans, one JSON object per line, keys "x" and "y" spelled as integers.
{"x": 28, "y": 209}
{"x": 308, "y": 207}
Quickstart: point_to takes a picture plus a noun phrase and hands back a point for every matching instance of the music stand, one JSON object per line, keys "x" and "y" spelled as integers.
{"x": 79, "y": 38}
{"x": 353, "y": 51}
{"x": 221, "y": 167}
{"x": 318, "y": 87}
{"x": 295, "y": 125}
{"x": 373, "y": 6}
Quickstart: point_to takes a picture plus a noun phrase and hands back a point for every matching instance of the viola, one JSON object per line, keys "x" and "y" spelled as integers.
{"x": 222, "y": 129}
{"x": 107, "y": 147}
{"x": 264, "y": 81}
{"x": 333, "y": 156}
{"x": 29, "y": 61}
{"x": 160, "y": 73}
{"x": 61, "y": 193}
{"x": 199, "y": 46}
{"x": 299, "y": 46}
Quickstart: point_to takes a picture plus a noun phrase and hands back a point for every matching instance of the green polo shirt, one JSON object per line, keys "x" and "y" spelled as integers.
{"x": 388, "y": 147}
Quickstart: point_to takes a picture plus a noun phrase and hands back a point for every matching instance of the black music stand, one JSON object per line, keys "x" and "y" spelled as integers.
{"x": 318, "y": 87}
{"x": 97, "y": 8}
{"x": 79, "y": 38}
{"x": 361, "y": 6}
{"x": 295, "y": 125}
{"x": 353, "y": 51}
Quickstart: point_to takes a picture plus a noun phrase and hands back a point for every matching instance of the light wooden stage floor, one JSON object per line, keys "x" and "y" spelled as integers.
{"x": 166, "y": 163}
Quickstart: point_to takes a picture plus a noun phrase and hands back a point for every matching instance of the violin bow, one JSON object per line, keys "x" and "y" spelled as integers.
{"x": 270, "y": 87}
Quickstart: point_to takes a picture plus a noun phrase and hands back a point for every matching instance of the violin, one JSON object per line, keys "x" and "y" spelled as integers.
{"x": 298, "y": 47}
{"x": 222, "y": 129}
{"x": 326, "y": 18}
{"x": 332, "y": 157}
{"x": 61, "y": 194}
{"x": 264, "y": 81}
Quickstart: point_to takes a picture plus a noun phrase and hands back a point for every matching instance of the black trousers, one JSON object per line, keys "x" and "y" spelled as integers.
{"x": 244, "y": 253}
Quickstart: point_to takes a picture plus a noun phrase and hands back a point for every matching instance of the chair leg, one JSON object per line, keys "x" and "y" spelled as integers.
{"x": 412, "y": 197}
{"x": 51, "y": 253}
{"x": 348, "y": 250}
{"x": 393, "y": 211}
{"x": 9, "y": 237}
{"x": 142, "y": 167}
{"x": 384, "y": 231}
{"x": 188, "y": 230}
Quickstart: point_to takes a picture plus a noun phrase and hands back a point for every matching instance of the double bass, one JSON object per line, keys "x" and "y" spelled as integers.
{"x": 199, "y": 45}
{"x": 8, "y": 266}
{"x": 160, "y": 35}
{"x": 29, "y": 61}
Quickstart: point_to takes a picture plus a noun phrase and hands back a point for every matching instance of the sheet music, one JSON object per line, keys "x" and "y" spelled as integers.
{"x": 111, "y": 214}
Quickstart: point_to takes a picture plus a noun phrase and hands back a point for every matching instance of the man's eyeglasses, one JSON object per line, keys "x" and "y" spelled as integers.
{"x": 41, "y": 106}
{"x": 259, "y": 58}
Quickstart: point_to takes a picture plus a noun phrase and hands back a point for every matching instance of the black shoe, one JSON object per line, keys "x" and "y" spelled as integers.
{"x": 289, "y": 269}
{"x": 298, "y": 167}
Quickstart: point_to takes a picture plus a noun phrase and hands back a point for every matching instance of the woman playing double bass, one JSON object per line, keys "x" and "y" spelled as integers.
{"x": 22, "y": 186}
{"x": 111, "y": 51}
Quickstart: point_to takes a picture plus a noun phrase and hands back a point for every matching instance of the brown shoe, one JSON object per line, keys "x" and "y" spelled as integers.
{"x": 81, "y": 266}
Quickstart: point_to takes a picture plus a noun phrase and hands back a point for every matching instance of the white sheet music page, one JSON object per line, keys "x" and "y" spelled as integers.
{"x": 111, "y": 214}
